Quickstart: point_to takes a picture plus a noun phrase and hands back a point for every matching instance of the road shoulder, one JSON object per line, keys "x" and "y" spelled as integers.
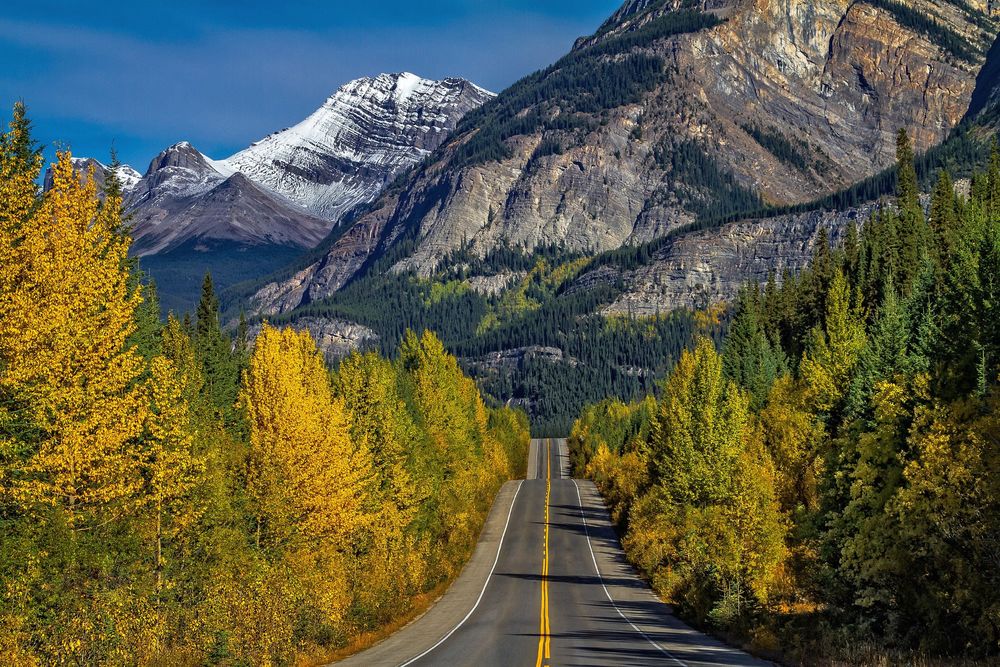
{"x": 426, "y": 631}
{"x": 635, "y": 601}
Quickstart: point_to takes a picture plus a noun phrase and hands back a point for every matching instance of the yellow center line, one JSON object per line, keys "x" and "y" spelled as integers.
{"x": 544, "y": 636}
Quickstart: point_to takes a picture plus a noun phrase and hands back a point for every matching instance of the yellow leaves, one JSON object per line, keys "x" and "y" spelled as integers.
{"x": 793, "y": 435}
{"x": 307, "y": 480}
{"x": 65, "y": 315}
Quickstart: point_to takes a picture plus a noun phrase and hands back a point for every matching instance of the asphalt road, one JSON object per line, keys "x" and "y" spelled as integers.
{"x": 548, "y": 585}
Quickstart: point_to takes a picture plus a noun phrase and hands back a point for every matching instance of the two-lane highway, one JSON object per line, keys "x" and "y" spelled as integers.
{"x": 549, "y": 585}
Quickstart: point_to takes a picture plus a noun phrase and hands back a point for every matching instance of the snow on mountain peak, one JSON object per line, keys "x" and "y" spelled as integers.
{"x": 366, "y": 132}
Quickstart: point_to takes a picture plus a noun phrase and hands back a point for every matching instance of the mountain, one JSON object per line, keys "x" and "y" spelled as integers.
{"x": 127, "y": 176}
{"x": 247, "y": 215}
{"x": 185, "y": 196}
{"x": 673, "y": 113}
{"x": 558, "y": 240}
{"x": 364, "y": 134}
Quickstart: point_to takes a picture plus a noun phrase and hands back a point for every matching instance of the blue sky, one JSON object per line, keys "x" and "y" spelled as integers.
{"x": 143, "y": 75}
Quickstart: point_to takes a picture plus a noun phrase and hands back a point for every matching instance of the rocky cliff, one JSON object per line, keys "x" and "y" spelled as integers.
{"x": 674, "y": 111}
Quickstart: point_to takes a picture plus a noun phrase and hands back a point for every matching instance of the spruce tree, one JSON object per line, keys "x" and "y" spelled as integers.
{"x": 944, "y": 219}
{"x": 213, "y": 349}
{"x": 911, "y": 226}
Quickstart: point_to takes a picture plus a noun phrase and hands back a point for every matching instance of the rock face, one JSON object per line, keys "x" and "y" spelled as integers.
{"x": 706, "y": 267}
{"x": 335, "y": 338}
{"x": 787, "y": 99}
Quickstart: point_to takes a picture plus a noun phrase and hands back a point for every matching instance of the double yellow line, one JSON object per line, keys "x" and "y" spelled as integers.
{"x": 544, "y": 637}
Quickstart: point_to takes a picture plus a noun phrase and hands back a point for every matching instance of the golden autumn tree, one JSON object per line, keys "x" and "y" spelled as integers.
{"x": 171, "y": 468}
{"x": 454, "y": 418}
{"x": 709, "y": 529}
{"x": 308, "y": 482}
{"x": 66, "y": 312}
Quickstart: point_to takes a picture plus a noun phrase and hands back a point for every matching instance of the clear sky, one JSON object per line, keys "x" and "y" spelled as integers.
{"x": 220, "y": 74}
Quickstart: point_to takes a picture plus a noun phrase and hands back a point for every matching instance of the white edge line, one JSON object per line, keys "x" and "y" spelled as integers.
{"x": 586, "y": 529}
{"x": 487, "y": 583}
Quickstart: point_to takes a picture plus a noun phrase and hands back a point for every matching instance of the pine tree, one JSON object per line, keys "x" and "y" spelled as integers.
{"x": 218, "y": 364}
{"x": 750, "y": 359}
{"x": 944, "y": 218}
{"x": 912, "y": 228}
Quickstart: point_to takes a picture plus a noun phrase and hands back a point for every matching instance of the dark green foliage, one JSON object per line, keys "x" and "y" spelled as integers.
{"x": 795, "y": 154}
{"x": 391, "y": 304}
{"x": 587, "y": 81}
{"x": 146, "y": 336}
{"x": 214, "y": 352}
{"x": 711, "y": 192}
{"x": 751, "y": 358}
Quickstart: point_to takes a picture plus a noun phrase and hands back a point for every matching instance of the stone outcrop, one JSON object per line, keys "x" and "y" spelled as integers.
{"x": 335, "y": 338}
{"x": 702, "y": 268}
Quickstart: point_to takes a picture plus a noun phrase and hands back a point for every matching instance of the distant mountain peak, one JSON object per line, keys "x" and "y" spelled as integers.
{"x": 369, "y": 129}
{"x": 291, "y": 187}
{"x": 127, "y": 176}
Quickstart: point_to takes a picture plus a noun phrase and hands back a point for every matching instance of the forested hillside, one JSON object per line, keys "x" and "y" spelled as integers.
{"x": 169, "y": 497}
{"x": 828, "y": 486}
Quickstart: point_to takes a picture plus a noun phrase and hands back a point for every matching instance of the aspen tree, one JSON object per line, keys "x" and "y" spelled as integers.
{"x": 66, "y": 313}
{"x": 307, "y": 480}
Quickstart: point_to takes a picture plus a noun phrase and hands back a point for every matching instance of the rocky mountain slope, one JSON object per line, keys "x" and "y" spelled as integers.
{"x": 185, "y": 196}
{"x": 672, "y": 112}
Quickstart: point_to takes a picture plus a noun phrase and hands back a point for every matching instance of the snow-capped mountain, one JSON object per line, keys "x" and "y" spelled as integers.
{"x": 186, "y": 196}
{"x": 347, "y": 150}
{"x": 301, "y": 181}
{"x": 127, "y": 176}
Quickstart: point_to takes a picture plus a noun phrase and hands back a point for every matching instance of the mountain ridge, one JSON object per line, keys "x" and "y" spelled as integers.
{"x": 695, "y": 116}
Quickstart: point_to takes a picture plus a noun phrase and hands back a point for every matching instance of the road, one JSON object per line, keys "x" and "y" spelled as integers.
{"x": 548, "y": 585}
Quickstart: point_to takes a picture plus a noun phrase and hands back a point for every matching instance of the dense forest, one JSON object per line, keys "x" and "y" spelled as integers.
{"x": 168, "y": 496}
{"x": 829, "y": 483}
{"x": 596, "y": 357}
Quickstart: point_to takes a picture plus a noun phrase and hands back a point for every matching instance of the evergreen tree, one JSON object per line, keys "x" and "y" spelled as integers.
{"x": 911, "y": 226}
{"x": 944, "y": 218}
{"x": 214, "y": 352}
{"x": 750, "y": 359}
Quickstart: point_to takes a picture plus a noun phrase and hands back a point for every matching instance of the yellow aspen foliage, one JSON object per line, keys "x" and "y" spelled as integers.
{"x": 793, "y": 436}
{"x": 833, "y": 351}
{"x": 308, "y": 482}
{"x": 66, "y": 311}
{"x": 171, "y": 468}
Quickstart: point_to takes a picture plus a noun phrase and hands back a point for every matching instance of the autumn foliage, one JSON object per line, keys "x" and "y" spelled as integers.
{"x": 831, "y": 480}
{"x": 170, "y": 496}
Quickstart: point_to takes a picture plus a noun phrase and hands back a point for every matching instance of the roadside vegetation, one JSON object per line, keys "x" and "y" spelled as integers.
{"x": 827, "y": 487}
{"x": 170, "y": 497}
